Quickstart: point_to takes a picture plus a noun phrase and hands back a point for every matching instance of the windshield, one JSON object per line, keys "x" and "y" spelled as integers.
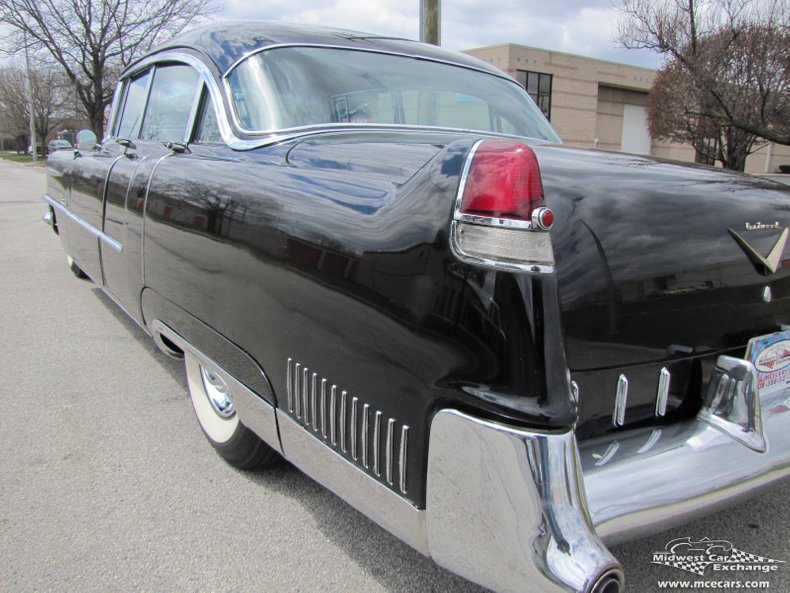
{"x": 292, "y": 87}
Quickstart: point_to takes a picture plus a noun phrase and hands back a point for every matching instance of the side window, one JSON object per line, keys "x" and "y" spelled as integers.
{"x": 133, "y": 105}
{"x": 172, "y": 96}
{"x": 208, "y": 129}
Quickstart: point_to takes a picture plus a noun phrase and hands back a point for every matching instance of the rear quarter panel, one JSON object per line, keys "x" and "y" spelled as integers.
{"x": 352, "y": 276}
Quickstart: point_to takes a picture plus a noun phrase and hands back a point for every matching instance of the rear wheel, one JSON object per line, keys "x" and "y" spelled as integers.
{"x": 218, "y": 419}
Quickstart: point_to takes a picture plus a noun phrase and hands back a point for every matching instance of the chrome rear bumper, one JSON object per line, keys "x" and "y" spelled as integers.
{"x": 648, "y": 480}
{"x": 517, "y": 510}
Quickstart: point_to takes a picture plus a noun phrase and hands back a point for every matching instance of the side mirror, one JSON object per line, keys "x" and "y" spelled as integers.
{"x": 86, "y": 140}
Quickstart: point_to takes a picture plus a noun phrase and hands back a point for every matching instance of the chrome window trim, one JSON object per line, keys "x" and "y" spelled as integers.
{"x": 217, "y": 97}
{"x": 401, "y": 54}
{"x": 116, "y": 103}
{"x": 126, "y": 81}
{"x": 313, "y": 130}
{"x": 190, "y": 130}
{"x": 214, "y": 91}
{"x": 293, "y": 131}
{"x": 193, "y": 109}
{"x": 115, "y": 245}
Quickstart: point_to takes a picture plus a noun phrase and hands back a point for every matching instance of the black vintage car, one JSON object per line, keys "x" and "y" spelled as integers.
{"x": 378, "y": 261}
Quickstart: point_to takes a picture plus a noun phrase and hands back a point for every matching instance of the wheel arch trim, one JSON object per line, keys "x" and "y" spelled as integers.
{"x": 255, "y": 413}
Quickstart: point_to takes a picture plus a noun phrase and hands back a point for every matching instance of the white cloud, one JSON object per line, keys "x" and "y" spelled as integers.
{"x": 386, "y": 17}
{"x": 583, "y": 27}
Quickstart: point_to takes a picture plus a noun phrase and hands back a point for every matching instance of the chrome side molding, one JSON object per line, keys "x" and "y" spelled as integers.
{"x": 506, "y": 509}
{"x": 312, "y": 401}
{"x": 732, "y": 403}
{"x": 402, "y": 457}
{"x": 86, "y": 226}
{"x": 354, "y": 485}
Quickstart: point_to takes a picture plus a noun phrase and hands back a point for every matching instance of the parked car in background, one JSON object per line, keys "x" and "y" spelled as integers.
{"x": 55, "y": 145}
{"x": 377, "y": 260}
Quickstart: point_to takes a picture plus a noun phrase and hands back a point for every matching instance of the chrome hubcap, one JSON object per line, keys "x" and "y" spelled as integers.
{"x": 217, "y": 392}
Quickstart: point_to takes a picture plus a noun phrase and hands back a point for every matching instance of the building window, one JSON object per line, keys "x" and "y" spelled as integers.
{"x": 706, "y": 150}
{"x": 538, "y": 86}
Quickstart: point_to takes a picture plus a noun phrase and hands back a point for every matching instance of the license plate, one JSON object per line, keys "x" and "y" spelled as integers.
{"x": 770, "y": 355}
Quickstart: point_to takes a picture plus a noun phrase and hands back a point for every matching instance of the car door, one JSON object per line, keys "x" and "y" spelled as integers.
{"x": 81, "y": 232}
{"x": 142, "y": 144}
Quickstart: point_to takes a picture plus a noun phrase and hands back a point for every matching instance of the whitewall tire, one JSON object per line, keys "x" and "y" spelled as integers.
{"x": 216, "y": 414}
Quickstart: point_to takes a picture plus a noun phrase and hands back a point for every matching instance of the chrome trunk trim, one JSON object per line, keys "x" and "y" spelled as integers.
{"x": 521, "y": 494}
{"x": 621, "y": 400}
{"x": 662, "y": 394}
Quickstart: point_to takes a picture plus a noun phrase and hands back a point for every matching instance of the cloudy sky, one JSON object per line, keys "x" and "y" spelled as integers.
{"x": 584, "y": 27}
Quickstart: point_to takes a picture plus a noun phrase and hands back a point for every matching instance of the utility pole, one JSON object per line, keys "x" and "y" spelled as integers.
{"x": 431, "y": 21}
{"x": 33, "y": 143}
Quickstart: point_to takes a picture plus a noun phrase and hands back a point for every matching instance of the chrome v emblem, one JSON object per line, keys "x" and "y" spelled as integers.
{"x": 764, "y": 265}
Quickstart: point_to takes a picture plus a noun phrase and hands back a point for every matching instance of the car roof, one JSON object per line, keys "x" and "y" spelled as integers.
{"x": 226, "y": 42}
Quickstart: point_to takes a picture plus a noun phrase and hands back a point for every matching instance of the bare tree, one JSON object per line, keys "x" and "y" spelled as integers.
{"x": 680, "y": 111}
{"x": 727, "y": 71}
{"x": 51, "y": 101}
{"x": 93, "y": 41}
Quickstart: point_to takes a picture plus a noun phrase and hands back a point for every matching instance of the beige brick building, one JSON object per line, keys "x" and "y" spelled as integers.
{"x": 599, "y": 104}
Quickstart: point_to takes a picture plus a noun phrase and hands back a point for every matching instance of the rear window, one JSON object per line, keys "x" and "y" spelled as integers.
{"x": 295, "y": 87}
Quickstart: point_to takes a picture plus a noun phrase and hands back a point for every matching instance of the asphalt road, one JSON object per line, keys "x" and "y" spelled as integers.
{"x": 107, "y": 484}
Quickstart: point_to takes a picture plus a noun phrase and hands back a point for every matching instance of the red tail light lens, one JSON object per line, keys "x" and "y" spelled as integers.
{"x": 503, "y": 181}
